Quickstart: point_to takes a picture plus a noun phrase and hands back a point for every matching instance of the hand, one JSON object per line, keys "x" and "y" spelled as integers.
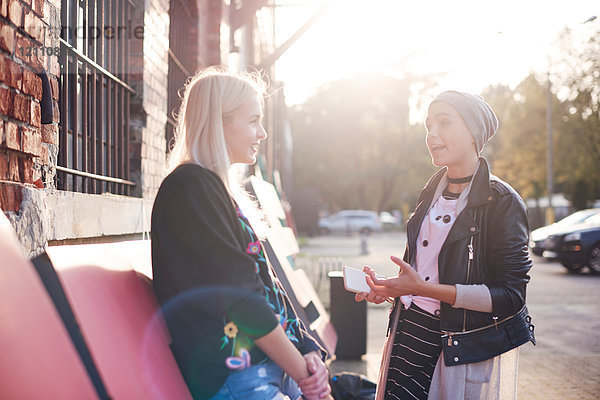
{"x": 316, "y": 385}
{"x": 407, "y": 282}
{"x": 370, "y": 297}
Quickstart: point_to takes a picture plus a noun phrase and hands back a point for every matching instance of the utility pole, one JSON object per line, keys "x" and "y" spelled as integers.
{"x": 549, "y": 155}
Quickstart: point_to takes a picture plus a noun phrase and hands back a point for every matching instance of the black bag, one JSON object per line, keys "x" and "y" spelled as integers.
{"x": 351, "y": 386}
{"x": 489, "y": 341}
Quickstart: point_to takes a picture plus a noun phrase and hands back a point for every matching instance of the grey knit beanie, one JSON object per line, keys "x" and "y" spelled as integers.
{"x": 477, "y": 114}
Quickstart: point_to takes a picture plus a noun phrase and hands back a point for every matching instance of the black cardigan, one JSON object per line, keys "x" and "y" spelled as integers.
{"x": 216, "y": 289}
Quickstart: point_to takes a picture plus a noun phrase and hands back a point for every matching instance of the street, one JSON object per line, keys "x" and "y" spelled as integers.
{"x": 565, "y": 309}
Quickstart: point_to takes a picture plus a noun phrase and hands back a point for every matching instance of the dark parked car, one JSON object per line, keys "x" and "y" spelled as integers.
{"x": 577, "y": 246}
{"x": 539, "y": 235}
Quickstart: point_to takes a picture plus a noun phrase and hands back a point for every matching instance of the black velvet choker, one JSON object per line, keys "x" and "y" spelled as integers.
{"x": 460, "y": 180}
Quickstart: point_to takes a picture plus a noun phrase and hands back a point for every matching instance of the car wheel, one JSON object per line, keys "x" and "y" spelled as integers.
{"x": 324, "y": 231}
{"x": 572, "y": 268}
{"x": 366, "y": 231}
{"x": 594, "y": 260}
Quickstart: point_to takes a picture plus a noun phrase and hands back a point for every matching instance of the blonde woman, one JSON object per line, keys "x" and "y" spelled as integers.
{"x": 234, "y": 332}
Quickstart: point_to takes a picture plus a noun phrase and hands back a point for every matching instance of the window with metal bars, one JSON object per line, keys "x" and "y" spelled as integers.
{"x": 94, "y": 97}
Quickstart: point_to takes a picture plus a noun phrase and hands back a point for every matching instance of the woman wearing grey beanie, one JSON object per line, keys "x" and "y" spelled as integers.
{"x": 459, "y": 312}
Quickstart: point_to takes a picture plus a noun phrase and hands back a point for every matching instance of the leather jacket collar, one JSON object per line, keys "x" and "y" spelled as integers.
{"x": 480, "y": 194}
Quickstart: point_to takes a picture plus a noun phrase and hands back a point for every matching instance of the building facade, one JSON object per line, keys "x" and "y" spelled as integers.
{"x": 87, "y": 95}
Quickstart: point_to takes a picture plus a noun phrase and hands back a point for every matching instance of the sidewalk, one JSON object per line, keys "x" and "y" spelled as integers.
{"x": 565, "y": 308}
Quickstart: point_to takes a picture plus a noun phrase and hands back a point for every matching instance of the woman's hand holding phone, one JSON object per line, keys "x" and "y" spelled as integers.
{"x": 369, "y": 296}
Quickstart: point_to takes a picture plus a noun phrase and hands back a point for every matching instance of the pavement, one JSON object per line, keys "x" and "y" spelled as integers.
{"x": 565, "y": 309}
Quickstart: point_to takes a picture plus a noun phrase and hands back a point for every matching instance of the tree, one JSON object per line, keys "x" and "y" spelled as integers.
{"x": 353, "y": 142}
{"x": 576, "y": 79}
{"x": 520, "y": 149}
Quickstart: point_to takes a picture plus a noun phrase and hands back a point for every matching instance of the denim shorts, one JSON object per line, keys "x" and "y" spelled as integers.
{"x": 259, "y": 382}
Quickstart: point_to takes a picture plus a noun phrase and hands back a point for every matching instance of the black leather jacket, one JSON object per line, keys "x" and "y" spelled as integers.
{"x": 495, "y": 223}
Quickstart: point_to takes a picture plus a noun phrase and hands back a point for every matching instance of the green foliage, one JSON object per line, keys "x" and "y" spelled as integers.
{"x": 519, "y": 150}
{"x": 353, "y": 143}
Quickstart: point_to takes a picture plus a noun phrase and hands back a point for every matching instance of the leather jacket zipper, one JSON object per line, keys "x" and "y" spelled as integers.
{"x": 470, "y": 248}
{"x": 496, "y": 322}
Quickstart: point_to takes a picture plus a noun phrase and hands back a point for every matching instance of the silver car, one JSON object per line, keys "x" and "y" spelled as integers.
{"x": 348, "y": 221}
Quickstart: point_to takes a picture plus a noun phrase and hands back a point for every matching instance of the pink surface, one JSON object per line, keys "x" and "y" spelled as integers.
{"x": 127, "y": 337}
{"x": 38, "y": 360}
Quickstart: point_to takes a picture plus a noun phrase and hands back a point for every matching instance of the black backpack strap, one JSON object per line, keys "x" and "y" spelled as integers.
{"x": 49, "y": 277}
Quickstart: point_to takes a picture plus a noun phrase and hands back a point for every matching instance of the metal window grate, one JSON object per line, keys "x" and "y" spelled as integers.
{"x": 94, "y": 97}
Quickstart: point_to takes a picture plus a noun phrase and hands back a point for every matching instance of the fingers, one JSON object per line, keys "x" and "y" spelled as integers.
{"x": 314, "y": 387}
{"x": 310, "y": 365}
{"x": 358, "y": 297}
{"x": 326, "y": 393}
{"x": 379, "y": 299}
{"x": 400, "y": 262}
{"x": 316, "y": 384}
{"x": 371, "y": 283}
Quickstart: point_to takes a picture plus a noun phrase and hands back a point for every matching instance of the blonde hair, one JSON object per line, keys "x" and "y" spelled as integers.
{"x": 209, "y": 97}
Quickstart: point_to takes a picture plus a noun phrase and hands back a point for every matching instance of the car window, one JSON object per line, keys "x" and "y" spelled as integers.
{"x": 595, "y": 219}
{"x": 578, "y": 217}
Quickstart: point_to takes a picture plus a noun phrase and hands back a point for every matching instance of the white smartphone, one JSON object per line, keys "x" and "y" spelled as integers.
{"x": 354, "y": 280}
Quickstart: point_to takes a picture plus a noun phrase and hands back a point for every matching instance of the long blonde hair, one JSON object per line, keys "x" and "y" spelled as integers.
{"x": 209, "y": 97}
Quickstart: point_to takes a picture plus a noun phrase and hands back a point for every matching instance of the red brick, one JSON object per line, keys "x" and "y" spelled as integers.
{"x": 55, "y": 112}
{"x": 32, "y": 141}
{"x": 54, "y": 66}
{"x": 7, "y": 38}
{"x": 50, "y": 134}
{"x": 16, "y": 75}
{"x": 13, "y": 137}
{"x": 6, "y": 101}
{"x": 21, "y": 108}
{"x": 36, "y": 114}
{"x": 44, "y": 156}
{"x": 35, "y": 62}
{"x": 32, "y": 84}
{"x": 38, "y": 7}
{"x": 26, "y": 169}
{"x": 3, "y": 165}
{"x": 54, "y": 88}
{"x": 22, "y": 48}
{"x": 15, "y": 12}
{"x": 13, "y": 167}
{"x": 34, "y": 26}
{"x": 4, "y": 68}
{"x": 11, "y": 197}
{"x": 13, "y": 74}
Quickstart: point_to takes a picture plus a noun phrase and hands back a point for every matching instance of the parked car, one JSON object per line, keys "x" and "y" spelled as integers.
{"x": 576, "y": 246}
{"x": 389, "y": 220}
{"x": 349, "y": 221}
{"x": 538, "y": 236}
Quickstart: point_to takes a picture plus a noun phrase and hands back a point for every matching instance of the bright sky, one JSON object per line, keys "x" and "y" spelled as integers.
{"x": 471, "y": 44}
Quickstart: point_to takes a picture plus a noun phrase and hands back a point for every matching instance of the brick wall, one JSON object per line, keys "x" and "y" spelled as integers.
{"x": 27, "y": 148}
{"x": 149, "y": 105}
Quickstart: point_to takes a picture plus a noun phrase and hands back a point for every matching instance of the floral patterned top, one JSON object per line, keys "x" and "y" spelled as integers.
{"x": 217, "y": 291}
